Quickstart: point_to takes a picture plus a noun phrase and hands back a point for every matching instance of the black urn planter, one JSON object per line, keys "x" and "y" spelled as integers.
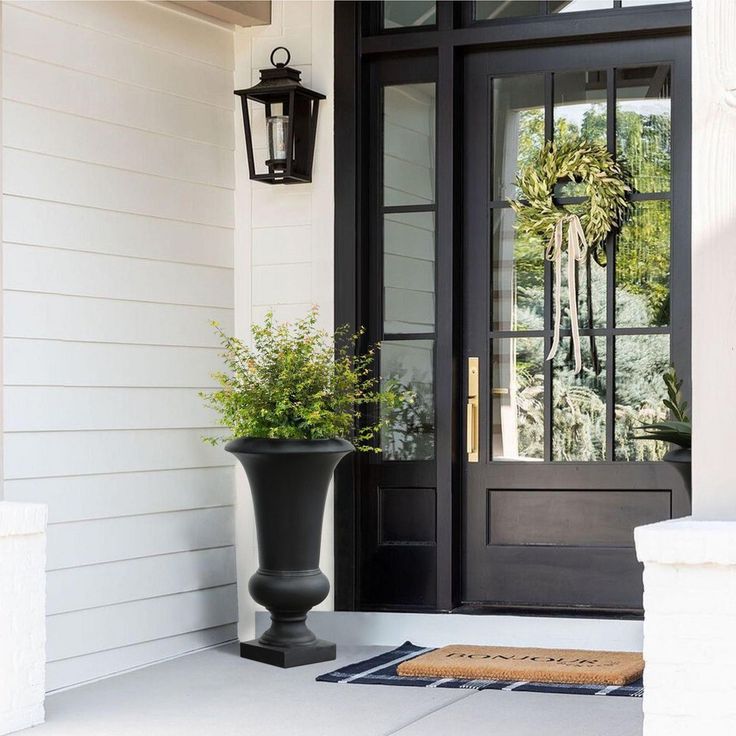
{"x": 681, "y": 460}
{"x": 289, "y": 481}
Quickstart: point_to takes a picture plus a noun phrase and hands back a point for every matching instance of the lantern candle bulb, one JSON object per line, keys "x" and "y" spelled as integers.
{"x": 278, "y": 136}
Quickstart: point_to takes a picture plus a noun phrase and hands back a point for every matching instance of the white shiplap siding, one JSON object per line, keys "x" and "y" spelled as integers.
{"x": 118, "y": 137}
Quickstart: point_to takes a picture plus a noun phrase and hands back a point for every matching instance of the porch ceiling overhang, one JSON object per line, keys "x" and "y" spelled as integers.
{"x": 236, "y": 12}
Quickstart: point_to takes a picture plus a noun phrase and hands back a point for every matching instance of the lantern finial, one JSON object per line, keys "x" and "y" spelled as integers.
{"x": 280, "y": 64}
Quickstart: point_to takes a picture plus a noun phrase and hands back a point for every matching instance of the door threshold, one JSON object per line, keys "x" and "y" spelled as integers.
{"x": 366, "y": 628}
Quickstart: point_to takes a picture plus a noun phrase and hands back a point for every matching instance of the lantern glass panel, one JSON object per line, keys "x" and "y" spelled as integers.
{"x": 278, "y": 138}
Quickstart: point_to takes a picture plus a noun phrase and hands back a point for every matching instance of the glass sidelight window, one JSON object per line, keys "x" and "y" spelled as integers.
{"x": 541, "y": 409}
{"x": 410, "y": 431}
{"x": 408, "y": 144}
{"x": 407, "y": 265}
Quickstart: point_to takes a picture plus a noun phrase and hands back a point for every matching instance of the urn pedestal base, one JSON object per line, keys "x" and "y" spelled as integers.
{"x": 320, "y": 651}
{"x": 288, "y": 481}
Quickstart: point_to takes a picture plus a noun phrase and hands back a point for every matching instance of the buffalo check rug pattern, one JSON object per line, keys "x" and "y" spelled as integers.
{"x": 381, "y": 670}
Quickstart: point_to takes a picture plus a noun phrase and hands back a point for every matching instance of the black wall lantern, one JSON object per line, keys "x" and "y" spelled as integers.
{"x": 290, "y": 123}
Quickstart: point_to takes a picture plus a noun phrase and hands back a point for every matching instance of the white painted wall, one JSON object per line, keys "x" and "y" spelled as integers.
{"x": 22, "y": 614}
{"x": 714, "y": 259}
{"x": 284, "y": 234}
{"x": 118, "y": 179}
{"x": 689, "y": 614}
{"x": 2, "y": 491}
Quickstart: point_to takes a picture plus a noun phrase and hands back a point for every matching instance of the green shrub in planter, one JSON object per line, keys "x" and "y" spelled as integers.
{"x": 299, "y": 382}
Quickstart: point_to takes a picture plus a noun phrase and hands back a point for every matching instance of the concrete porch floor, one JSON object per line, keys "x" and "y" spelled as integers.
{"x": 215, "y": 693}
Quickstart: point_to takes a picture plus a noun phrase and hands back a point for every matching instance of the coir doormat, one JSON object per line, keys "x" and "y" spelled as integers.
{"x": 569, "y": 666}
{"x": 382, "y": 670}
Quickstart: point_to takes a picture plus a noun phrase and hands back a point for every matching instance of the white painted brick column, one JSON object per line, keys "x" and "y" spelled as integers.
{"x": 22, "y": 615}
{"x": 689, "y": 627}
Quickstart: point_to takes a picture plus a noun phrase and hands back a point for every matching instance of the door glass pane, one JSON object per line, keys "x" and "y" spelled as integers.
{"x": 579, "y": 402}
{"x": 640, "y": 362}
{"x": 590, "y": 289}
{"x": 518, "y": 282}
{"x": 517, "y": 397}
{"x": 575, "y": 6}
{"x": 408, "y": 272}
{"x": 580, "y": 106}
{"x": 409, "y": 13}
{"x": 518, "y": 128}
{"x": 643, "y": 125}
{"x": 409, "y": 144}
{"x": 518, "y": 276}
{"x": 497, "y": 9}
{"x": 409, "y": 365}
{"x": 643, "y": 267}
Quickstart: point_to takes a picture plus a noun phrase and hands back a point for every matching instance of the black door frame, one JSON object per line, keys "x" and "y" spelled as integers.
{"x": 358, "y": 42}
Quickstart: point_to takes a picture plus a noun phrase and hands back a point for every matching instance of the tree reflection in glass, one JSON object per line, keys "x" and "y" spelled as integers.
{"x": 518, "y": 399}
{"x": 578, "y": 404}
{"x": 408, "y": 365}
{"x": 640, "y": 362}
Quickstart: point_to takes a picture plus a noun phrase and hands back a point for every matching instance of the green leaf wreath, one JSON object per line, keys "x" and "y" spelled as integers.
{"x": 581, "y": 161}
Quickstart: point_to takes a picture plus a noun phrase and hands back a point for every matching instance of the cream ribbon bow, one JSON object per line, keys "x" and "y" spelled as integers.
{"x": 577, "y": 247}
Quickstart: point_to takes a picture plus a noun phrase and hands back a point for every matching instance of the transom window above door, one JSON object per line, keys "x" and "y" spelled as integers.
{"x": 542, "y": 410}
{"x": 490, "y": 10}
{"x": 422, "y": 14}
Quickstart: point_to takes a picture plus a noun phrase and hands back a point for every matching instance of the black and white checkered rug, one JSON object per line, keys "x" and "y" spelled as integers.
{"x": 381, "y": 670}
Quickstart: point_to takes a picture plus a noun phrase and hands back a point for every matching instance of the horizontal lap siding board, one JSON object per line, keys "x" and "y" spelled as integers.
{"x": 127, "y": 537}
{"x": 48, "y": 454}
{"x": 91, "y": 586}
{"x": 64, "y": 408}
{"x": 122, "y": 234}
{"x": 118, "y": 253}
{"x": 86, "y": 319}
{"x": 81, "y": 94}
{"x": 39, "y": 176}
{"x": 31, "y": 362}
{"x": 31, "y": 128}
{"x": 82, "y": 497}
{"x": 97, "y": 629}
{"x": 107, "y": 56}
{"x": 38, "y": 269}
{"x": 63, "y": 672}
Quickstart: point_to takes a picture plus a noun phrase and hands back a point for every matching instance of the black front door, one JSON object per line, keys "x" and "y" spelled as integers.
{"x": 553, "y": 482}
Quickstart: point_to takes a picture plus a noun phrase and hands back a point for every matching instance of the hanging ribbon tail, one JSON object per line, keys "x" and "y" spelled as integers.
{"x": 554, "y": 254}
{"x": 577, "y": 247}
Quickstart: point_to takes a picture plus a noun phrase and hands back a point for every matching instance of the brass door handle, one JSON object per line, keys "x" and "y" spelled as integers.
{"x": 472, "y": 428}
